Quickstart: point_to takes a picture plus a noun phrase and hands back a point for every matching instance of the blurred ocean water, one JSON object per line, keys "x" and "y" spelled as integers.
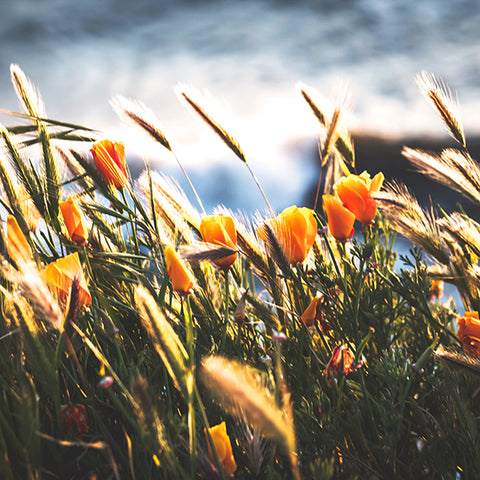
{"x": 249, "y": 55}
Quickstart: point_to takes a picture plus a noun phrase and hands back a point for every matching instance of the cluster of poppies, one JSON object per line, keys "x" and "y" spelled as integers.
{"x": 352, "y": 201}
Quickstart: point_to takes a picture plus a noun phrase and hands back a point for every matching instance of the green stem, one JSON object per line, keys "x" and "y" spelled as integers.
{"x": 225, "y": 313}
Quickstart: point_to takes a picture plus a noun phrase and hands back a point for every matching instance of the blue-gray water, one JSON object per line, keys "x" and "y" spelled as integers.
{"x": 250, "y": 55}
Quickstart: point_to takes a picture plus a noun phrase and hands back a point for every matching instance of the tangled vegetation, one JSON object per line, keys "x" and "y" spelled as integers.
{"x": 142, "y": 338}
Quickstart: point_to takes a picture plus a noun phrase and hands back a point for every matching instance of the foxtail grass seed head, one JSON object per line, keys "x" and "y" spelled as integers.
{"x": 27, "y": 92}
{"x": 441, "y": 97}
{"x": 140, "y": 115}
{"x": 110, "y": 160}
{"x": 211, "y": 113}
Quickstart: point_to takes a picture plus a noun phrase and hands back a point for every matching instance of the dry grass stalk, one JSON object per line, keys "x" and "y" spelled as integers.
{"x": 274, "y": 248}
{"x": 459, "y": 361}
{"x": 455, "y": 169}
{"x": 330, "y": 137}
{"x": 462, "y": 230}
{"x": 165, "y": 340}
{"x": 242, "y": 393}
{"x": 27, "y": 92}
{"x": 202, "y": 105}
{"x": 343, "y": 142}
{"x": 174, "y": 212}
{"x": 406, "y": 216}
{"x": 205, "y": 251}
{"x": 441, "y": 97}
{"x": 138, "y": 113}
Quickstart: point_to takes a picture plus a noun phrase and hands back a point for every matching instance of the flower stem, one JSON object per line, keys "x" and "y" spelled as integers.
{"x": 225, "y": 313}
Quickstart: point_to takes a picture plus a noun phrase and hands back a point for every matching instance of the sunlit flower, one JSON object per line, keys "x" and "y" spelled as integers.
{"x": 295, "y": 229}
{"x": 223, "y": 448}
{"x": 220, "y": 230}
{"x": 182, "y": 279}
{"x": 18, "y": 248}
{"x": 74, "y": 221}
{"x": 341, "y": 362}
{"x": 355, "y": 191}
{"x": 469, "y": 332}
{"x": 340, "y": 219}
{"x": 60, "y": 276}
{"x": 310, "y": 314}
{"x": 110, "y": 161}
{"x": 74, "y": 415}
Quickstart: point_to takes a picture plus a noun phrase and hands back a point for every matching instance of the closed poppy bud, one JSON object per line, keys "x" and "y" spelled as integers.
{"x": 295, "y": 229}
{"x": 340, "y": 220}
{"x": 355, "y": 191}
{"x": 18, "y": 248}
{"x": 109, "y": 158}
{"x": 60, "y": 276}
{"x": 182, "y": 279}
{"x": 311, "y": 312}
{"x": 220, "y": 230}
{"x": 341, "y": 362}
{"x": 469, "y": 332}
{"x": 223, "y": 448}
{"x": 74, "y": 221}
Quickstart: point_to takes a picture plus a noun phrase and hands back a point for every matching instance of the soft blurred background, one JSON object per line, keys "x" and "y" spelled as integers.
{"x": 249, "y": 55}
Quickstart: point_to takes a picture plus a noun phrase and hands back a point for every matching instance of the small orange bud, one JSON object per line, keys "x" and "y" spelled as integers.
{"x": 109, "y": 158}
{"x": 295, "y": 229}
{"x": 74, "y": 221}
{"x": 220, "y": 230}
{"x": 469, "y": 332}
{"x": 223, "y": 448}
{"x": 182, "y": 279}
{"x": 355, "y": 193}
{"x": 60, "y": 276}
{"x": 18, "y": 248}
{"x": 340, "y": 219}
{"x": 311, "y": 312}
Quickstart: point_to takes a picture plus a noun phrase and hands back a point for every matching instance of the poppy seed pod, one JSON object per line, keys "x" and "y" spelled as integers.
{"x": 220, "y": 230}
{"x": 109, "y": 158}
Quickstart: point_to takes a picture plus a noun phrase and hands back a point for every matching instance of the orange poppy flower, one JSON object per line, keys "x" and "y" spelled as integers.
{"x": 310, "y": 314}
{"x": 355, "y": 191}
{"x": 18, "y": 248}
{"x": 469, "y": 332}
{"x": 340, "y": 219}
{"x": 341, "y": 362}
{"x": 110, "y": 161}
{"x": 182, "y": 279}
{"x": 223, "y": 448}
{"x": 295, "y": 229}
{"x": 60, "y": 276}
{"x": 74, "y": 221}
{"x": 220, "y": 230}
